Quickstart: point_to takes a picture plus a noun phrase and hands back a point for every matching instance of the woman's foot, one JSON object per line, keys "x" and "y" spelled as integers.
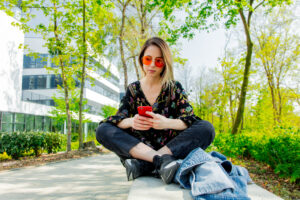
{"x": 166, "y": 166}
{"x": 136, "y": 168}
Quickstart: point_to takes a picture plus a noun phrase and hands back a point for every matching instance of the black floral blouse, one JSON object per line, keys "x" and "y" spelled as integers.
{"x": 177, "y": 107}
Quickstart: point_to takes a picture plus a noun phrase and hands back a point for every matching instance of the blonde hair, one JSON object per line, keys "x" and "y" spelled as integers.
{"x": 167, "y": 76}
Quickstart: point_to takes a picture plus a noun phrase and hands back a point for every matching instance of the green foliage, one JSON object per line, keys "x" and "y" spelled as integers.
{"x": 53, "y": 141}
{"x": 4, "y": 156}
{"x": 280, "y": 148}
{"x": 1, "y": 144}
{"x": 107, "y": 111}
{"x": 59, "y": 111}
{"x": 16, "y": 144}
{"x": 35, "y": 141}
{"x": 206, "y": 15}
{"x": 74, "y": 137}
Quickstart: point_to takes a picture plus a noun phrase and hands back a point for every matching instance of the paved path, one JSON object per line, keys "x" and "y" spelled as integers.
{"x": 96, "y": 177}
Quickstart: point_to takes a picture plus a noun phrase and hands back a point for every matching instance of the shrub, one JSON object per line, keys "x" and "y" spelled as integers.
{"x": 74, "y": 137}
{"x": 16, "y": 144}
{"x": 4, "y": 156}
{"x": 53, "y": 142}
{"x": 1, "y": 146}
{"x": 283, "y": 155}
{"x": 280, "y": 148}
{"x": 35, "y": 142}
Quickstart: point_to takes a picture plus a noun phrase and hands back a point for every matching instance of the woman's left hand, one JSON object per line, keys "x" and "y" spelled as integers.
{"x": 158, "y": 121}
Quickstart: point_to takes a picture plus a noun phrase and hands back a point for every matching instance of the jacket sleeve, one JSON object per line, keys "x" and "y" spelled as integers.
{"x": 184, "y": 109}
{"x": 124, "y": 111}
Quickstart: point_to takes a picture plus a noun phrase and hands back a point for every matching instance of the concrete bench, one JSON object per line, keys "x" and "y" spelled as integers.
{"x": 149, "y": 188}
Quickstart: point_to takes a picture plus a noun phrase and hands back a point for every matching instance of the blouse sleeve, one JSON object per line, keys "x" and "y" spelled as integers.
{"x": 124, "y": 111}
{"x": 184, "y": 109}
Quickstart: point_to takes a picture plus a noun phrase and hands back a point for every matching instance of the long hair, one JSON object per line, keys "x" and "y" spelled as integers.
{"x": 167, "y": 76}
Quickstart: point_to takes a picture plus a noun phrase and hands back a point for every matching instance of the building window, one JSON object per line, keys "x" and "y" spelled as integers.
{"x": 25, "y": 82}
{"x": 31, "y": 83}
{"x": 47, "y": 124}
{"x": 41, "y": 61}
{"x": 7, "y": 122}
{"x": 41, "y": 82}
{"x": 32, "y": 62}
{"x": 19, "y": 122}
{"x": 39, "y": 123}
{"x": 29, "y": 122}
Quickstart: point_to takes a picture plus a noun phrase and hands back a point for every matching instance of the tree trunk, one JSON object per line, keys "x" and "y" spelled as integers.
{"x": 279, "y": 102}
{"x": 136, "y": 68}
{"x": 121, "y": 45}
{"x": 80, "y": 135}
{"x": 231, "y": 109}
{"x": 241, "y": 107}
{"x": 271, "y": 86}
{"x": 221, "y": 123}
{"x": 143, "y": 20}
{"x": 65, "y": 85}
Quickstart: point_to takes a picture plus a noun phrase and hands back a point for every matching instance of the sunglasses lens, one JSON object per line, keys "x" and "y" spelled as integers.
{"x": 147, "y": 60}
{"x": 159, "y": 62}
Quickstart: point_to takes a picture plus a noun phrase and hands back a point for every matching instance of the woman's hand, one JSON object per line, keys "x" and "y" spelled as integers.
{"x": 141, "y": 123}
{"x": 158, "y": 121}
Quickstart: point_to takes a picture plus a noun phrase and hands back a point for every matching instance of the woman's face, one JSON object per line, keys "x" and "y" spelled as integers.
{"x": 152, "y": 70}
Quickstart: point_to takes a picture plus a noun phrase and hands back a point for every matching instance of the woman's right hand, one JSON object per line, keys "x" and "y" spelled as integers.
{"x": 141, "y": 123}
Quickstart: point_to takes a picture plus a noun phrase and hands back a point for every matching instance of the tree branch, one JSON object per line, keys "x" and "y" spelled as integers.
{"x": 250, "y": 13}
{"x": 258, "y": 5}
{"x": 247, "y": 32}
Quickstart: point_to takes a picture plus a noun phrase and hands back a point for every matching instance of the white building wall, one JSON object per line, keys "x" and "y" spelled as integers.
{"x": 11, "y": 67}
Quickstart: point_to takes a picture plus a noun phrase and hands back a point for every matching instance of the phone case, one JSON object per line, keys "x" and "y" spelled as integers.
{"x": 142, "y": 110}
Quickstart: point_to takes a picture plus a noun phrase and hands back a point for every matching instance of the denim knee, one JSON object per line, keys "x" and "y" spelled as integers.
{"x": 208, "y": 129}
{"x": 102, "y": 132}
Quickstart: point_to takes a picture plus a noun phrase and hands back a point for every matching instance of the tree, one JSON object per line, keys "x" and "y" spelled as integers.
{"x": 58, "y": 48}
{"x": 55, "y": 39}
{"x": 278, "y": 51}
{"x": 207, "y": 15}
{"x": 138, "y": 21}
{"x": 185, "y": 76}
{"x": 123, "y": 6}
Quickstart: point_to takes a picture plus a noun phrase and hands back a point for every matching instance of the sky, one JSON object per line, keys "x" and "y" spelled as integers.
{"x": 204, "y": 49}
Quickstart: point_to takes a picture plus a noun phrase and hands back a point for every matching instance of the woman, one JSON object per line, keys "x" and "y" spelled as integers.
{"x": 151, "y": 145}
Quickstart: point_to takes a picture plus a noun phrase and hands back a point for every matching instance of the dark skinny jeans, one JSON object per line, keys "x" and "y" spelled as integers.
{"x": 200, "y": 134}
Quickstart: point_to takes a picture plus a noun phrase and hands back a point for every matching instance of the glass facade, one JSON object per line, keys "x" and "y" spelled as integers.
{"x": 39, "y": 62}
{"x": 103, "y": 90}
{"x": 37, "y": 98}
{"x": 44, "y": 60}
{"x": 35, "y": 82}
{"x": 10, "y": 122}
{"x": 23, "y": 122}
{"x": 51, "y": 81}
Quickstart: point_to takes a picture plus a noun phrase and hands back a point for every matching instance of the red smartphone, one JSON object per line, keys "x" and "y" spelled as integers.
{"x": 142, "y": 111}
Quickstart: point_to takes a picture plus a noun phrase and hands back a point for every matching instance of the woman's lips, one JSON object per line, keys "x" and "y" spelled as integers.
{"x": 152, "y": 71}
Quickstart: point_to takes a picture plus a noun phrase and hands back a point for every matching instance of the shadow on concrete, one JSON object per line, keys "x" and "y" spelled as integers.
{"x": 97, "y": 177}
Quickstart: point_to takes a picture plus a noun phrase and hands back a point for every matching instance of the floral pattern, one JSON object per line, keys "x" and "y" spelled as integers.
{"x": 177, "y": 107}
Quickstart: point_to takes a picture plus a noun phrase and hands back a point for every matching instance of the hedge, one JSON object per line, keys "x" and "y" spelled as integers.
{"x": 280, "y": 149}
{"x": 15, "y": 144}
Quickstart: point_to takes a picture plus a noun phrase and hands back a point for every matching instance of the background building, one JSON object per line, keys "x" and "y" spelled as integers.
{"x": 27, "y": 87}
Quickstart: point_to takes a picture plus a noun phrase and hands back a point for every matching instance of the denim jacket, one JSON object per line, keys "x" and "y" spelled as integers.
{"x": 212, "y": 176}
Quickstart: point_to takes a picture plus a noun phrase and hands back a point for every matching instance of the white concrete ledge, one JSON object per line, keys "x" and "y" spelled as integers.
{"x": 149, "y": 188}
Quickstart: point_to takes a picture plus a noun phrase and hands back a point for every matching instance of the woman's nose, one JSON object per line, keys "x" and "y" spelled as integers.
{"x": 152, "y": 63}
